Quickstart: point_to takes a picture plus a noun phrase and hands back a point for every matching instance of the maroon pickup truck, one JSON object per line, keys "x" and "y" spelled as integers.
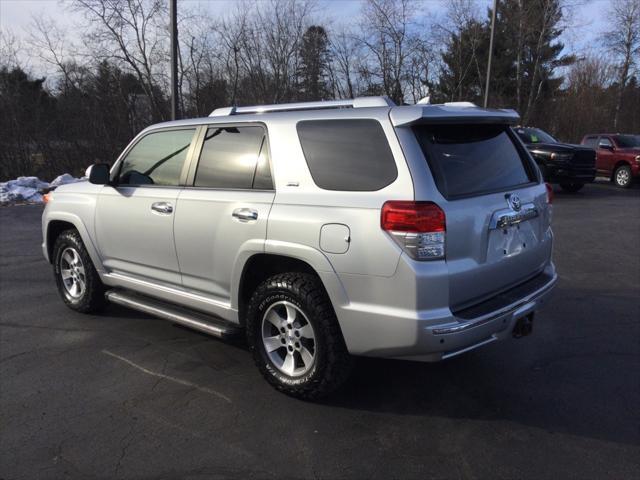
{"x": 618, "y": 156}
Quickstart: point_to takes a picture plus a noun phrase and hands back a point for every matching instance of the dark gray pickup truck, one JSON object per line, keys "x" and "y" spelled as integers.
{"x": 571, "y": 166}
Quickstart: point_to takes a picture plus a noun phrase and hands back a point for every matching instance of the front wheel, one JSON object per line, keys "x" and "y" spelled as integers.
{"x": 622, "y": 176}
{"x": 571, "y": 187}
{"x": 78, "y": 282}
{"x": 295, "y": 337}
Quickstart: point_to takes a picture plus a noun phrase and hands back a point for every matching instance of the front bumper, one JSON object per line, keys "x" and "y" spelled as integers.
{"x": 569, "y": 173}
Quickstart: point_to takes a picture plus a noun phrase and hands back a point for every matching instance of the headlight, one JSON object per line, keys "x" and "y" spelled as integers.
{"x": 638, "y": 159}
{"x": 561, "y": 157}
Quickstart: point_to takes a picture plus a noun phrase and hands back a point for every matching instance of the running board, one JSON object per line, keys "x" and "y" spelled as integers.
{"x": 187, "y": 318}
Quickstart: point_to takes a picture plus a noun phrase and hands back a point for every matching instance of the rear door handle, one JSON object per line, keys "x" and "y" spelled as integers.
{"x": 245, "y": 214}
{"x": 162, "y": 207}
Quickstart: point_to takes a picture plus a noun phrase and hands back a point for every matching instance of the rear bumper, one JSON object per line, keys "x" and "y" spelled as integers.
{"x": 438, "y": 334}
{"x": 482, "y": 324}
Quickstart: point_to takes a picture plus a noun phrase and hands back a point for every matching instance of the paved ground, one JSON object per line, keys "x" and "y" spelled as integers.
{"x": 123, "y": 395}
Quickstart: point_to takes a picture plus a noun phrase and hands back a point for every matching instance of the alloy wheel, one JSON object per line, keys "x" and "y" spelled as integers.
{"x": 288, "y": 339}
{"x": 72, "y": 273}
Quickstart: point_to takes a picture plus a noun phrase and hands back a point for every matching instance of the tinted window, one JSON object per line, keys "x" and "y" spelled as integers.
{"x": 157, "y": 159}
{"x": 628, "y": 141}
{"x": 348, "y": 155}
{"x": 534, "y": 135}
{"x": 473, "y": 159}
{"x": 604, "y": 142}
{"x": 591, "y": 142}
{"x": 229, "y": 158}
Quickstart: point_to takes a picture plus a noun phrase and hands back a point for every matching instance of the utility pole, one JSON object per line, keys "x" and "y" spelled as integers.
{"x": 493, "y": 27}
{"x": 173, "y": 14}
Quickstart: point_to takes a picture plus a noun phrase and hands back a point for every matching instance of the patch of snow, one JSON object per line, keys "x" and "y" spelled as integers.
{"x": 30, "y": 189}
{"x": 64, "y": 179}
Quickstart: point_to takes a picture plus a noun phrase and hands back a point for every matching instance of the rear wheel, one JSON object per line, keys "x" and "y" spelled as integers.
{"x": 295, "y": 337}
{"x": 78, "y": 282}
{"x": 622, "y": 176}
{"x": 571, "y": 187}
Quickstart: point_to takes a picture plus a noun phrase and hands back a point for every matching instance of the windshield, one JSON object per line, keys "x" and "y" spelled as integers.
{"x": 628, "y": 141}
{"x": 534, "y": 135}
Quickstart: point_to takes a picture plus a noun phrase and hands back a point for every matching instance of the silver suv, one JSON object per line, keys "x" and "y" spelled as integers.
{"x": 323, "y": 230}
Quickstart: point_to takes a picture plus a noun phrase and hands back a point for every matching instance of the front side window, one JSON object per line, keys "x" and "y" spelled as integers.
{"x": 604, "y": 142}
{"x": 347, "y": 155}
{"x": 233, "y": 157}
{"x": 157, "y": 159}
{"x": 473, "y": 159}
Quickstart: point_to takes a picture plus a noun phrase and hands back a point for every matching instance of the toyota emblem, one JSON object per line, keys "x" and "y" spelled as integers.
{"x": 514, "y": 202}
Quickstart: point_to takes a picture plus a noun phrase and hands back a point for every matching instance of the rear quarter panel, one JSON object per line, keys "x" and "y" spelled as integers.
{"x": 301, "y": 208}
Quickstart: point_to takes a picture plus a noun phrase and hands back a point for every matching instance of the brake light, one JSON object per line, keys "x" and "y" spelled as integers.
{"x": 549, "y": 193}
{"x": 419, "y": 228}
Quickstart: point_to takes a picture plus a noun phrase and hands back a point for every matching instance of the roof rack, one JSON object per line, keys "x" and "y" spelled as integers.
{"x": 359, "y": 102}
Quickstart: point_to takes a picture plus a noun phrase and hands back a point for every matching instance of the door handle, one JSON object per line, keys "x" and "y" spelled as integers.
{"x": 245, "y": 214}
{"x": 162, "y": 207}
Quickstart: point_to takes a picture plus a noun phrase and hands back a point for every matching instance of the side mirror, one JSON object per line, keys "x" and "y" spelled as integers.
{"x": 606, "y": 146}
{"x": 98, "y": 174}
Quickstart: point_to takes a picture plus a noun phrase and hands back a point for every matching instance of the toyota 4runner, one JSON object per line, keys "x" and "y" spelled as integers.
{"x": 323, "y": 230}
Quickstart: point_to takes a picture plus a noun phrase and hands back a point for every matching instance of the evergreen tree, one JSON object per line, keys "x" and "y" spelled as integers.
{"x": 314, "y": 62}
{"x": 526, "y": 56}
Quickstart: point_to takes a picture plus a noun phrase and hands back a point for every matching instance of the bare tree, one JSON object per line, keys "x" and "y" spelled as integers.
{"x": 134, "y": 33}
{"x": 385, "y": 34}
{"x": 345, "y": 52}
{"x": 623, "y": 41}
{"x": 9, "y": 49}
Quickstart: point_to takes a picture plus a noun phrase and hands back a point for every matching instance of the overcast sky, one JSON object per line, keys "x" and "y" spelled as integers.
{"x": 588, "y": 16}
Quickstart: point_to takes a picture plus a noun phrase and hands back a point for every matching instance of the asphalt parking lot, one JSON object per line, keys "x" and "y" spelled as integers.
{"x": 124, "y": 395}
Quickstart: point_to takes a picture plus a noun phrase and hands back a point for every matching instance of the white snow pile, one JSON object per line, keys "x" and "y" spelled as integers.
{"x": 30, "y": 189}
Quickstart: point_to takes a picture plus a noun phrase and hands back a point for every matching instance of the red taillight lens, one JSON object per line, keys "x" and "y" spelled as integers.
{"x": 417, "y": 217}
{"x": 419, "y": 228}
{"x": 549, "y": 193}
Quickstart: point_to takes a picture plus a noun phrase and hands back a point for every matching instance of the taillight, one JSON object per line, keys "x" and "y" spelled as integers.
{"x": 549, "y": 193}
{"x": 418, "y": 227}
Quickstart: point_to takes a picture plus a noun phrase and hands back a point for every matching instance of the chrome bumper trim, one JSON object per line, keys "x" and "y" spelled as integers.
{"x": 512, "y": 308}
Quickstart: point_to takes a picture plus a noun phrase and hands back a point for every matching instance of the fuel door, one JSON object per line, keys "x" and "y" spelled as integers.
{"x": 335, "y": 238}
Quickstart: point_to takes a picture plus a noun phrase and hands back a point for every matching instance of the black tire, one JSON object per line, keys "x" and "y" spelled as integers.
{"x": 91, "y": 297}
{"x": 622, "y": 176}
{"x": 332, "y": 363}
{"x": 571, "y": 187}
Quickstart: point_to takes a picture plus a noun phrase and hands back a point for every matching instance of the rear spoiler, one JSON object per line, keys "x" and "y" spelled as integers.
{"x": 451, "y": 113}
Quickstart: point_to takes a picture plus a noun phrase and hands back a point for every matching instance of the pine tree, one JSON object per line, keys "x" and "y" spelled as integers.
{"x": 314, "y": 61}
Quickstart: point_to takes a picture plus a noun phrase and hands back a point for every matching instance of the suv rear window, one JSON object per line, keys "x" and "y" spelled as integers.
{"x": 471, "y": 160}
{"x": 347, "y": 155}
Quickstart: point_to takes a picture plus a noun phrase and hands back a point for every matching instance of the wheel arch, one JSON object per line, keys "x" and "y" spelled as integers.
{"x": 261, "y": 266}
{"x": 618, "y": 164}
{"x": 58, "y": 223}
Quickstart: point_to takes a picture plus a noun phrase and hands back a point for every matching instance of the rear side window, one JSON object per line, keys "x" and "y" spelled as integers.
{"x": 471, "y": 160}
{"x": 232, "y": 157}
{"x": 157, "y": 159}
{"x": 591, "y": 142}
{"x": 347, "y": 155}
